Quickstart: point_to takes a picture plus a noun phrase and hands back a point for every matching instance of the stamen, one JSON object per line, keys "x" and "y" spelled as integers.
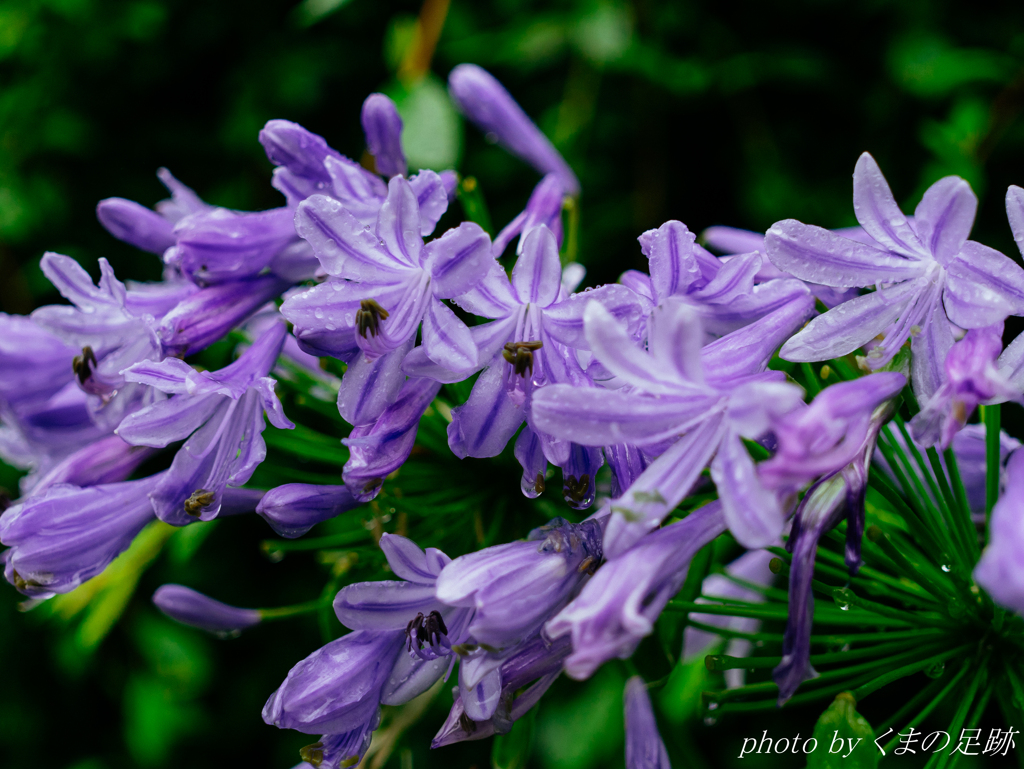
{"x": 520, "y": 356}
{"x": 84, "y": 364}
{"x": 429, "y": 630}
{"x": 468, "y": 724}
{"x": 538, "y": 485}
{"x": 369, "y": 316}
{"x": 576, "y": 490}
{"x": 200, "y": 498}
{"x": 312, "y": 754}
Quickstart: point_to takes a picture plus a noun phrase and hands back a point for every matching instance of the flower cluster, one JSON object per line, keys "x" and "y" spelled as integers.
{"x": 669, "y": 377}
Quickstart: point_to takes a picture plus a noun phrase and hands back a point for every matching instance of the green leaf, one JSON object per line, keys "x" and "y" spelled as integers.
{"x": 431, "y": 131}
{"x": 512, "y": 750}
{"x": 845, "y": 738}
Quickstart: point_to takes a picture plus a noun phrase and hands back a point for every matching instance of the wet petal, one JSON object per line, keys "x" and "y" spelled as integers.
{"x": 944, "y": 217}
{"x": 878, "y": 213}
{"x": 537, "y": 274}
{"x": 983, "y": 286}
{"x": 458, "y": 260}
{"x": 398, "y": 223}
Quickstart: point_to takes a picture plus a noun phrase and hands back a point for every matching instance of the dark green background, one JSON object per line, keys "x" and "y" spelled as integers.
{"x": 735, "y": 113}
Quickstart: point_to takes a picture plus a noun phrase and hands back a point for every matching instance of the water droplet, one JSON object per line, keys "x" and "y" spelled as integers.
{"x": 946, "y": 568}
{"x": 318, "y": 313}
{"x": 936, "y": 670}
{"x": 712, "y": 706}
{"x": 710, "y": 721}
{"x": 843, "y": 605}
{"x": 759, "y": 643}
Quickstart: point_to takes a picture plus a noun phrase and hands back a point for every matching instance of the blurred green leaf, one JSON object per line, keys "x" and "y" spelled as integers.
{"x": 929, "y": 65}
{"x": 512, "y": 750}
{"x": 585, "y": 728}
{"x": 845, "y": 738}
{"x": 432, "y": 130}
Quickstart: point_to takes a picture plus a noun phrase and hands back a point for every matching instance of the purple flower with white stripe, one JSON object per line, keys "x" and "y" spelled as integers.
{"x": 971, "y": 378}
{"x": 295, "y": 508}
{"x": 482, "y": 99}
{"x": 723, "y": 292}
{"x": 617, "y": 608}
{"x": 926, "y": 275}
{"x": 383, "y": 285}
{"x": 528, "y": 345}
{"x": 383, "y": 128}
{"x": 543, "y": 207}
{"x": 644, "y": 748}
{"x": 67, "y": 535}
{"x": 221, "y": 416}
{"x": 190, "y": 607}
{"x": 704, "y": 399}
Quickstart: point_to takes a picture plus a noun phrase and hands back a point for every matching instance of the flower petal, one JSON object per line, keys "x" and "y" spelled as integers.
{"x": 983, "y": 286}
{"x": 752, "y": 513}
{"x": 398, "y": 223}
{"x": 386, "y": 605}
{"x": 343, "y": 244}
{"x": 368, "y": 387}
{"x": 878, "y": 213}
{"x": 669, "y": 249}
{"x": 492, "y": 297}
{"x": 447, "y": 340}
{"x": 458, "y": 260}
{"x": 817, "y": 255}
{"x": 432, "y": 197}
{"x": 483, "y": 425}
{"x": 944, "y": 217}
{"x": 852, "y": 324}
{"x": 564, "y": 320}
{"x": 537, "y": 274}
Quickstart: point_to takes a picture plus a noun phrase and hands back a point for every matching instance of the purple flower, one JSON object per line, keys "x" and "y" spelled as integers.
{"x": 733, "y": 242}
{"x": 999, "y": 570}
{"x": 722, "y": 291}
{"x": 337, "y": 751}
{"x": 972, "y": 377}
{"x": 300, "y": 159}
{"x": 752, "y": 566}
{"x": 537, "y": 662}
{"x": 295, "y": 508}
{"x": 143, "y": 228}
{"x": 528, "y": 346}
{"x": 828, "y": 434}
{"x": 378, "y": 449}
{"x": 221, "y": 416}
{"x": 189, "y": 607}
{"x": 338, "y": 687}
{"x": 617, "y": 608}
{"x": 485, "y": 101}
{"x": 67, "y": 535}
{"x": 926, "y": 275}
{"x": 711, "y": 397}
{"x": 383, "y": 129}
{"x": 516, "y": 587}
{"x": 543, "y": 207}
{"x": 644, "y": 748}
{"x": 108, "y": 460}
{"x": 383, "y": 285}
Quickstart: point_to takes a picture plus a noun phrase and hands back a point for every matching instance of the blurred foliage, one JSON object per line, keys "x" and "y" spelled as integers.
{"x": 740, "y": 114}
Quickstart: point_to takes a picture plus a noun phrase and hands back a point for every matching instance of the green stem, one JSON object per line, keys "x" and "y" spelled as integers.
{"x": 929, "y": 619}
{"x": 926, "y": 711}
{"x": 906, "y": 670}
{"x": 270, "y": 546}
{"x": 811, "y": 379}
{"x": 725, "y": 662}
{"x": 991, "y": 416}
{"x": 782, "y": 613}
{"x": 283, "y": 612}
{"x": 572, "y": 230}
{"x": 965, "y": 704}
{"x": 961, "y": 494}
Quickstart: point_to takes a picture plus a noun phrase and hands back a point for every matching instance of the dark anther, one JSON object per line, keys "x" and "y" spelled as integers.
{"x": 200, "y": 498}
{"x": 538, "y": 485}
{"x": 520, "y": 355}
{"x": 372, "y": 484}
{"x": 21, "y": 583}
{"x": 84, "y": 364}
{"x": 312, "y": 754}
{"x": 368, "y": 317}
{"x": 589, "y": 565}
{"x": 468, "y": 724}
{"x": 576, "y": 490}
{"x": 427, "y": 629}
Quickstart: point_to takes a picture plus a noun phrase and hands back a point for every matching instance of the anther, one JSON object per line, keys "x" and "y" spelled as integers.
{"x": 468, "y": 724}
{"x": 368, "y": 317}
{"x": 200, "y": 498}
{"x": 312, "y": 754}
{"x": 520, "y": 356}
{"x": 576, "y": 490}
{"x": 372, "y": 484}
{"x": 538, "y": 485}
{"x": 426, "y": 629}
{"x": 84, "y": 364}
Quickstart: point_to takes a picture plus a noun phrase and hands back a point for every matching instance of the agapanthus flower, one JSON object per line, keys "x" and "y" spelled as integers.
{"x": 484, "y": 100}
{"x": 733, "y": 242}
{"x": 514, "y": 588}
{"x": 383, "y": 128}
{"x": 527, "y": 346}
{"x": 617, "y": 608}
{"x": 543, "y": 207}
{"x": 144, "y": 228}
{"x": 534, "y": 665}
{"x": 705, "y": 399}
{"x": 191, "y": 607}
{"x": 221, "y": 416}
{"x": 926, "y": 275}
{"x": 337, "y": 751}
{"x": 295, "y": 508}
{"x": 391, "y": 656}
{"x": 382, "y": 286}
{"x": 723, "y": 292}
{"x": 378, "y": 449}
{"x": 999, "y": 571}
{"x": 644, "y": 748}
{"x": 750, "y": 567}
{"x": 971, "y": 378}
{"x": 68, "y": 534}
{"x": 108, "y": 460}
